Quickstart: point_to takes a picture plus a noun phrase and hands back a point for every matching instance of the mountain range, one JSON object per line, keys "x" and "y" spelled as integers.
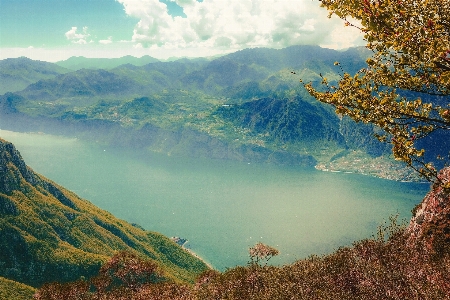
{"x": 17, "y": 73}
{"x": 247, "y": 105}
{"x": 79, "y": 62}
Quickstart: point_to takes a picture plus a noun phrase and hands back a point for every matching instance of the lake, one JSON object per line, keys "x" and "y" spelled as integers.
{"x": 222, "y": 207}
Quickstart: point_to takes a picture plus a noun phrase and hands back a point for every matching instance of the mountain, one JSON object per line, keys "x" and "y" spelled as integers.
{"x": 296, "y": 57}
{"x": 160, "y": 75}
{"x": 245, "y": 105}
{"x": 286, "y": 120}
{"x": 260, "y": 66}
{"x": 79, "y": 62}
{"x": 81, "y": 84}
{"x": 243, "y": 70}
{"x": 48, "y": 233}
{"x": 242, "y": 75}
{"x": 17, "y": 73}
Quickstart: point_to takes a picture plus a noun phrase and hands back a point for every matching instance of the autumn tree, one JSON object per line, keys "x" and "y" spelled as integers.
{"x": 404, "y": 90}
{"x": 125, "y": 274}
{"x": 261, "y": 252}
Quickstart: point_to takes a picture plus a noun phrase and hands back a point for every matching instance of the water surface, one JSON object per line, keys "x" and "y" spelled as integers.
{"x": 222, "y": 207}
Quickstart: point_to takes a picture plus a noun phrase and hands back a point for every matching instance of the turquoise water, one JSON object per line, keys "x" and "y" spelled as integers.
{"x": 222, "y": 207}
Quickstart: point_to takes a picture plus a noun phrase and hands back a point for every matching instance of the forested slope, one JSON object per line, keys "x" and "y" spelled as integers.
{"x": 48, "y": 233}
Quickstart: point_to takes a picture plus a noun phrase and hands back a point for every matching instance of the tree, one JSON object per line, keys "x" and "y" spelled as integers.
{"x": 124, "y": 275}
{"x": 261, "y": 252}
{"x": 405, "y": 88}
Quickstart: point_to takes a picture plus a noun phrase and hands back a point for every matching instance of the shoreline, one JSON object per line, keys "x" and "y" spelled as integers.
{"x": 183, "y": 244}
{"x": 387, "y": 176}
{"x": 199, "y": 257}
{"x": 358, "y": 162}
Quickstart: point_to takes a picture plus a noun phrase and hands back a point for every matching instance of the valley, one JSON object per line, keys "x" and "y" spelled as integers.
{"x": 247, "y": 106}
{"x": 222, "y": 152}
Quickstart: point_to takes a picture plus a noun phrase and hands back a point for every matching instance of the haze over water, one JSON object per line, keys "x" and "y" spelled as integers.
{"x": 222, "y": 207}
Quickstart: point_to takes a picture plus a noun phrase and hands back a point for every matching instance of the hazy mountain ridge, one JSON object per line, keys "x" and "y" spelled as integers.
{"x": 79, "y": 62}
{"x": 49, "y": 234}
{"x": 83, "y": 83}
{"x": 17, "y": 73}
{"x": 243, "y": 66}
{"x": 184, "y": 102}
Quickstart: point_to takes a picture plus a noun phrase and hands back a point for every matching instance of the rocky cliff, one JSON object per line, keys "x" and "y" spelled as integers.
{"x": 430, "y": 223}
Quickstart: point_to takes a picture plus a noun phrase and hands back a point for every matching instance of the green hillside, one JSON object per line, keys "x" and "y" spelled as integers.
{"x": 50, "y": 234}
{"x": 17, "y": 73}
{"x": 11, "y": 290}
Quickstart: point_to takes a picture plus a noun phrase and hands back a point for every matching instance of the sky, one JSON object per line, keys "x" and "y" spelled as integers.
{"x": 54, "y": 30}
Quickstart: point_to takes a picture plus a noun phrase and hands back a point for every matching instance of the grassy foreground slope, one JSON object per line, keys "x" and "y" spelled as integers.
{"x": 48, "y": 233}
{"x": 13, "y": 290}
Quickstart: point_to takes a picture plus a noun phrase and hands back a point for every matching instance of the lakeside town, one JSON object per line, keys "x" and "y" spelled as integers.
{"x": 381, "y": 167}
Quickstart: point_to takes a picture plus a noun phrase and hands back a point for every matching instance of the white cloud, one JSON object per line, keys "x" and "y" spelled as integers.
{"x": 342, "y": 37}
{"x": 107, "y": 41}
{"x": 78, "y": 38}
{"x": 211, "y": 27}
{"x": 235, "y": 24}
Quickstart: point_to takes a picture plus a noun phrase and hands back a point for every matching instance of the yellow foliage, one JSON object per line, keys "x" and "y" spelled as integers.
{"x": 411, "y": 46}
{"x": 10, "y": 290}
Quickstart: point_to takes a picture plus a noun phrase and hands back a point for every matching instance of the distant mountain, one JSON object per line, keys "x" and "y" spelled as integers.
{"x": 79, "y": 62}
{"x": 286, "y": 120}
{"x": 250, "y": 99}
{"x": 160, "y": 75}
{"x": 231, "y": 75}
{"x": 17, "y": 73}
{"x": 81, "y": 84}
{"x": 247, "y": 73}
{"x": 49, "y": 234}
{"x": 297, "y": 58}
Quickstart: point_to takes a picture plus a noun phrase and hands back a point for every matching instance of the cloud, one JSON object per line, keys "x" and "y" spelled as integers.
{"x": 77, "y": 38}
{"x": 107, "y": 41}
{"x": 341, "y": 38}
{"x": 234, "y": 24}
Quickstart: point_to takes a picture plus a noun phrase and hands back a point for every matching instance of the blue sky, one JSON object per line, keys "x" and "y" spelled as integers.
{"x": 53, "y": 30}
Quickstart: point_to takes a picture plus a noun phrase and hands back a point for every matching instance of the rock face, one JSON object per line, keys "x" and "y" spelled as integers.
{"x": 286, "y": 120}
{"x": 47, "y": 233}
{"x": 431, "y": 221}
{"x": 12, "y": 168}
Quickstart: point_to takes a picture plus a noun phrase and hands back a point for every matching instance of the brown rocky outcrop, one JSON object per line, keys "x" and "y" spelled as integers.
{"x": 430, "y": 223}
